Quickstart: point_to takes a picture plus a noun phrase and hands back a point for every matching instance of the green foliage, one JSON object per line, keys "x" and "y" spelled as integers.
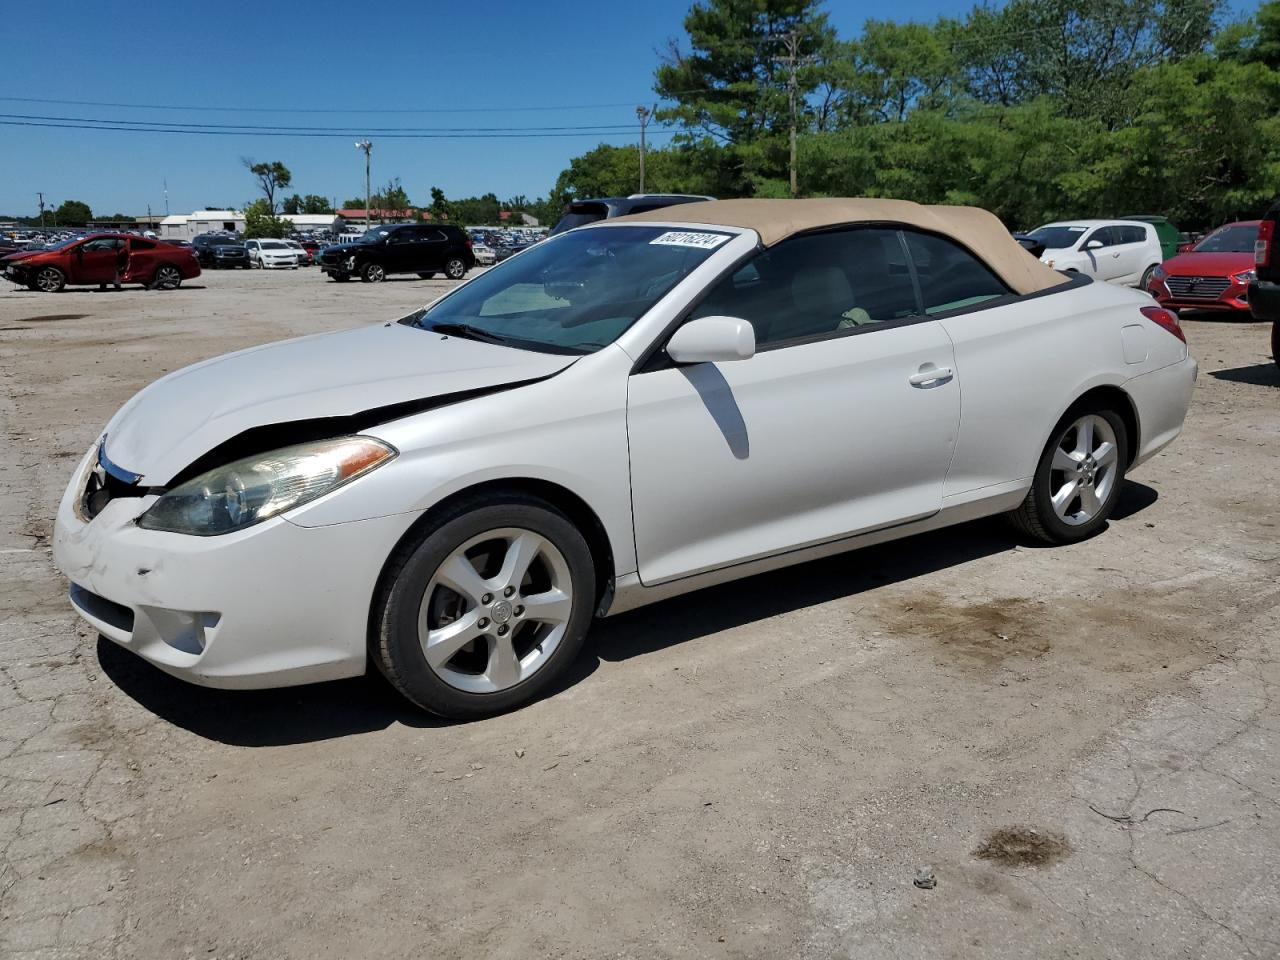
{"x": 1036, "y": 110}
{"x": 272, "y": 176}
{"x": 260, "y": 221}
{"x": 72, "y": 213}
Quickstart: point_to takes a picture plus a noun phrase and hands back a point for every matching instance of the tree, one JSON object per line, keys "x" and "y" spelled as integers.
{"x": 72, "y": 213}
{"x": 271, "y": 176}
{"x": 391, "y": 197}
{"x": 314, "y": 204}
{"x": 440, "y": 208}
{"x": 291, "y": 205}
{"x": 260, "y": 221}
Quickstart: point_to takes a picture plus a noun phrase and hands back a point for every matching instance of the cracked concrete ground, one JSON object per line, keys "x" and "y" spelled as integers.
{"x": 759, "y": 770}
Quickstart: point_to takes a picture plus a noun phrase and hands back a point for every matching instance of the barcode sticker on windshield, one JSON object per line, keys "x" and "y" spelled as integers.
{"x": 704, "y": 241}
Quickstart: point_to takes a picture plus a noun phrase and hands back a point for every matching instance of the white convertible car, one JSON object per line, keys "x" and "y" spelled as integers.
{"x": 623, "y": 413}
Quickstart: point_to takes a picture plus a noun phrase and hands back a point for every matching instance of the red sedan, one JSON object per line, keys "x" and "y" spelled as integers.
{"x": 1213, "y": 275}
{"x": 102, "y": 259}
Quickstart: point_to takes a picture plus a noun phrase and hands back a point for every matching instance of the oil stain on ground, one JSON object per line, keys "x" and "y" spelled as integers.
{"x": 1023, "y": 847}
{"x": 987, "y": 633}
{"x": 45, "y": 317}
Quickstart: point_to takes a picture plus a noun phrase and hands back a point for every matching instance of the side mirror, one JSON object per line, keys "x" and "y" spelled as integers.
{"x": 1093, "y": 245}
{"x": 713, "y": 339}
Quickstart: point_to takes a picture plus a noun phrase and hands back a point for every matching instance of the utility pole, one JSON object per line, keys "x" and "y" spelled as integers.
{"x": 41, "y": 198}
{"x": 794, "y": 61}
{"x": 166, "y": 196}
{"x": 367, "y": 147}
{"x": 644, "y": 115}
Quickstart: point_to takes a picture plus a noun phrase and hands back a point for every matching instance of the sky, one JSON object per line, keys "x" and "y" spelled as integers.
{"x": 581, "y": 63}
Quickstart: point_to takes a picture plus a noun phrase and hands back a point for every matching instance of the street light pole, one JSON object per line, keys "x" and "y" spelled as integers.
{"x": 367, "y": 147}
{"x": 41, "y": 198}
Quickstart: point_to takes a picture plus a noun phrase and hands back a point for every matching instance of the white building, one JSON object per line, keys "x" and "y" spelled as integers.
{"x": 303, "y": 222}
{"x": 180, "y": 227}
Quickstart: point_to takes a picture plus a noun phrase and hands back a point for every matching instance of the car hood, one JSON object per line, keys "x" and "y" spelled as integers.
{"x": 1208, "y": 264}
{"x": 21, "y": 255}
{"x": 184, "y": 415}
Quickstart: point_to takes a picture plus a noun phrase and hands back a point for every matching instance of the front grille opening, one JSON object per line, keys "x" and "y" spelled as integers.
{"x": 102, "y": 488}
{"x": 100, "y": 608}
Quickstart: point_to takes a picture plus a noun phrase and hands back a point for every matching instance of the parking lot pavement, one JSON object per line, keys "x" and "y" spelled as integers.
{"x": 1080, "y": 742}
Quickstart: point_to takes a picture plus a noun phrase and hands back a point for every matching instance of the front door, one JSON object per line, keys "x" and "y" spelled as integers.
{"x": 843, "y": 422}
{"x": 96, "y": 261}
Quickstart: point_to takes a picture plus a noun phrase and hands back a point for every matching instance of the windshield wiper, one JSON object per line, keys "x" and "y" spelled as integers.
{"x": 466, "y": 330}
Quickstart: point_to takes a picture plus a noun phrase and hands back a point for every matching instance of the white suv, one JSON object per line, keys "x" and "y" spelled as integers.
{"x": 1120, "y": 251}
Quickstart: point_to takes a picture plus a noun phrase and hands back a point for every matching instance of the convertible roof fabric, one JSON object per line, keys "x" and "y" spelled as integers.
{"x": 775, "y": 220}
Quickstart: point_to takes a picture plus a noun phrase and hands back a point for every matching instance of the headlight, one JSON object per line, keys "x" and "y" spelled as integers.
{"x": 252, "y": 490}
{"x": 1159, "y": 273}
{"x": 1247, "y": 277}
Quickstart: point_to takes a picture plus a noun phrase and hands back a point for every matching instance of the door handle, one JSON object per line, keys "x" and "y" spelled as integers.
{"x": 930, "y": 376}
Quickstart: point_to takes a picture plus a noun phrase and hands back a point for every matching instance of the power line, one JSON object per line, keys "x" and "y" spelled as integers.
{"x": 315, "y": 110}
{"x": 105, "y": 125}
{"x": 345, "y": 131}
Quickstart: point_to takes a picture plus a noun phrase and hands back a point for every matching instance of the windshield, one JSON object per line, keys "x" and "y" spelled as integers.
{"x": 61, "y": 245}
{"x": 272, "y": 245}
{"x": 1057, "y": 238}
{"x": 576, "y": 293}
{"x": 374, "y": 235}
{"x": 1229, "y": 240}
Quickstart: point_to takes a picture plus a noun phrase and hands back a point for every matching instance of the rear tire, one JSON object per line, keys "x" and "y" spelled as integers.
{"x": 1078, "y": 478}
{"x": 1146, "y": 277}
{"x": 167, "y": 278}
{"x": 509, "y": 573}
{"x": 455, "y": 268}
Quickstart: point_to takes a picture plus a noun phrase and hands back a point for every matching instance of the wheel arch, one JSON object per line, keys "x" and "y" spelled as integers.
{"x": 583, "y": 516}
{"x": 1114, "y": 398}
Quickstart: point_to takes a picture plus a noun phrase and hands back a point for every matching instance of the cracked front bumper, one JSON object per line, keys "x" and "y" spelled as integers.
{"x": 272, "y": 605}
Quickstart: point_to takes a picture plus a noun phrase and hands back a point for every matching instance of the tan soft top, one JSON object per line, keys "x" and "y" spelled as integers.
{"x": 775, "y": 220}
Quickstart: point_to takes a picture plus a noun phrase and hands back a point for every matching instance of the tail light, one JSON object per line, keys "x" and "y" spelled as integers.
{"x": 1262, "y": 246}
{"x": 1166, "y": 319}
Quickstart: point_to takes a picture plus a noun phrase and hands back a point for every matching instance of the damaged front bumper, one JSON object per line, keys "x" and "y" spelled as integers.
{"x": 275, "y": 604}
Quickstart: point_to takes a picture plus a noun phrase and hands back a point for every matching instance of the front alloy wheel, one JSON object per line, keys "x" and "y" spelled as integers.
{"x": 374, "y": 273}
{"x": 487, "y": 609}
{"x": 50, "y": 280}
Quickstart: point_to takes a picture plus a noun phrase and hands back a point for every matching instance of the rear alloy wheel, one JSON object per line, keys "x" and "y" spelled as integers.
{"x": 1078, "y": 479}
{"x": 487, "y": 609}
{"x": 50, "y": 279}
{"x": 373, "y": 273}
{"x": 167, "y": 277}
{"x": 455, "y": 268}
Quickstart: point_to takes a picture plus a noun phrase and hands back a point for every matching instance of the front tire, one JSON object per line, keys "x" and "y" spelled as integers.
{"x": 1078, "y": 478}
{"x": 373, "y": 273}
{"x": 1146, "y": 277}
{"x": 50, "y": 280}
{"x": 486, "y": 609}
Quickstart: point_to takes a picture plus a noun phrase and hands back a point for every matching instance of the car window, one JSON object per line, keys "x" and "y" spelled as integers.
{"x": 822, "y": 283}
{"x": 1103, "y": 235}
{"x": 1057, "y": 238}
{"x": 102, "y": 243}
{"x": 1131, "y": 234}
{"x": 401, "y": 236}
{"x": 136, "y": 244}
{"x": 576, "y": 293}
{"x": 950, "y": 276}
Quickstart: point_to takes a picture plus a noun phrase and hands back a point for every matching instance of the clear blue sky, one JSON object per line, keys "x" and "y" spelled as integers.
{"x": 323, "y": 55}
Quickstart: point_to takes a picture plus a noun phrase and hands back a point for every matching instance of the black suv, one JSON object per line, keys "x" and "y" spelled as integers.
{"x": 1264, "y": 292}
{"x": 220, "y": 250}
{"x": 577, "y": 213}
{"x": 424, "y": 249}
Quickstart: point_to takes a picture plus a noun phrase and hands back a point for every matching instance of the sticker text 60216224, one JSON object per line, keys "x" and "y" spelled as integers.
{"x": 686, "y": 238}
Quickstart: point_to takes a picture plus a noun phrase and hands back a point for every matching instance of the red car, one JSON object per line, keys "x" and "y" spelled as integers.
{"x": 103, "y": 258}
{"x": 1213, "y": 275}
